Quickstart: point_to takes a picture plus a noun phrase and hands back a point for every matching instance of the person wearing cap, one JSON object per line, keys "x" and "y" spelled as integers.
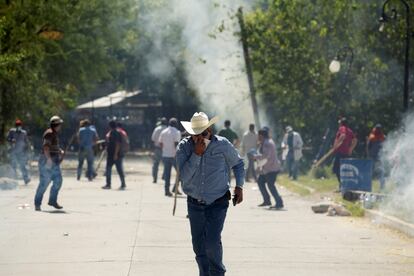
{"x": 268, "y": 167}
{"x": 345, "y": 142}
{"x": 168, "y": 141}
{"x": 292, "y": 144}
{"x": 375, "y": 141}
{"x": 87, "y": 137}
{"x": 157, "y": 151}
{"x": 114, "y": 156}
{"x": 19, "y": 146}
{"x": 203, "y": 161}
{"x": 49, "y": 165}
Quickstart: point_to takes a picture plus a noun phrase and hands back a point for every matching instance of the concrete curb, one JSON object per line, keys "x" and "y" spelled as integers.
{"x": 390, "y": 221}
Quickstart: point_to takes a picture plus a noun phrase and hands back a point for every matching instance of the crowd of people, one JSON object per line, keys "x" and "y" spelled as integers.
{"x": 257, "y": 148}
{"x": 51, "y": 155}
{"x": 204, "y": 164}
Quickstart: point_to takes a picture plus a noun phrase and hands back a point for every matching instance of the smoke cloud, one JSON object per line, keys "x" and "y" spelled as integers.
{"x": 212, "y": 55}
{"x": 397, "y": 152}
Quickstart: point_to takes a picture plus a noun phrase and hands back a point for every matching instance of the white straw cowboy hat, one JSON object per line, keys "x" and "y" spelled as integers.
{"x": 199, "y": 122}
{"x": 56, "y": 120}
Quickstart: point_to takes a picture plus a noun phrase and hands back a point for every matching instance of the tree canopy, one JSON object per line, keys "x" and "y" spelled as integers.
{"x": 293, "y": 43}
{"x": 54, "y": 52}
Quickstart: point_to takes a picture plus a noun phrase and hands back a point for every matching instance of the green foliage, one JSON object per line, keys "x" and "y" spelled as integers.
{"x": 41, "y": 74}
{"x": 356, "y": 208}
{"x": 292, "y": 44}
{"x": 321, "y": 172}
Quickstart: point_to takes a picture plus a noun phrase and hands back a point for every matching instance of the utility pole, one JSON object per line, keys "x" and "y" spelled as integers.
{"x": 248, "y": 66}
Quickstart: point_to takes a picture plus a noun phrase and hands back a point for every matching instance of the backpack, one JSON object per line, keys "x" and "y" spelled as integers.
{"x": 125, "y": 140}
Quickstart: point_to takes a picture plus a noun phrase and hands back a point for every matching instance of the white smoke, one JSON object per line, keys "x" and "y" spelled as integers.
{"x": 213, "y": 55}
{"x": 398, "y": 153}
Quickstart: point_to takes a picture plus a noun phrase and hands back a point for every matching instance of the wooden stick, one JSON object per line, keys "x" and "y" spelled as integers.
{"x": 323, "y": 159}
{"x": 177, "y": 182}
{"x": 100, "y": 160}
{"x": 72, "y": 138}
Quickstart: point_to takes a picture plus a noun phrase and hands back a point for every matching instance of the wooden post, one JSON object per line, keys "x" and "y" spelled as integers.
{"x": 248, "y": 66}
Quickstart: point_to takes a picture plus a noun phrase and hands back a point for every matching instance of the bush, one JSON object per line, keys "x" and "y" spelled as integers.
{"x": 320, "y": 172}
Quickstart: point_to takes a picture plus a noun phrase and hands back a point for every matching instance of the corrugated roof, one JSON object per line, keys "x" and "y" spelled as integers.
{"x": 108, "y": 100}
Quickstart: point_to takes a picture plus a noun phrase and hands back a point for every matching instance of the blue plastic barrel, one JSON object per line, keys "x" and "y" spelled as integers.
{"x": 356, "y": 174}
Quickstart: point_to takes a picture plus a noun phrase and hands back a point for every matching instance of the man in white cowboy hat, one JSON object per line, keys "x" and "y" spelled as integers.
{"x": 49, "y": 165}
{"x": 203, "y": 161}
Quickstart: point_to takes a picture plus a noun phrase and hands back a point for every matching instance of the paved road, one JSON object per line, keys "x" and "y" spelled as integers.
{"x": 132, "y": 232}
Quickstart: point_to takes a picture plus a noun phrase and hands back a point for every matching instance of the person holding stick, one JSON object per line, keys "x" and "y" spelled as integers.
{"x": 49, "y": 165}
{"x": 203, "y": 161}
{"x": 345, "y": 142}
{"x": 168, "y": 141}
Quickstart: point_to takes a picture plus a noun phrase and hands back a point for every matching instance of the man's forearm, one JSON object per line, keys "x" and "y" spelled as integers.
{"x": 187, "y": 166}
{"x": 46, "y": 151}
{"x": 239, "y": 174}
{"x": 339, "y": 142}
{"x": 354, "y": 143}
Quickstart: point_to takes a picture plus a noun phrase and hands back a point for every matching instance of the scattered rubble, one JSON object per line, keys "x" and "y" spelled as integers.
{"x": 23, "y": 206}
{"x": 331, "y": 208}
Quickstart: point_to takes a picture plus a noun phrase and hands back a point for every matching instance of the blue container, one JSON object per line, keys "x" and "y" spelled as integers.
{"x": 356, "y": 174}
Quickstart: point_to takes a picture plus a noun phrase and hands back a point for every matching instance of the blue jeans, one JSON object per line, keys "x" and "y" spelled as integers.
{"x": 292, "y": 165}
{"x": 169, "y": 162}
{"x": 250, "y": 168}
{"x": 336, "y": 166}
{"x": 119, "y": 167}
{"x": 156, "y": 162}
{"x": 90, "y": 158}
{"x": 269, "y": 179}
{"x": 207, "y": 223}
{"x": 19, "y": 160}
{"x": 47, "y": 175}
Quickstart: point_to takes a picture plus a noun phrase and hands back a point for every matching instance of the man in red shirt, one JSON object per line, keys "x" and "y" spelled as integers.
{"x": 345, "y": 142}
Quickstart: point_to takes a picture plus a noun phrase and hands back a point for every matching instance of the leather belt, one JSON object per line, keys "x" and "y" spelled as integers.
{"x": 226, "y": 196}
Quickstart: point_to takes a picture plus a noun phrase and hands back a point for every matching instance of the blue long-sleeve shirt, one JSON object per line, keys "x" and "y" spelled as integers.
{"x": 206, "y": 177}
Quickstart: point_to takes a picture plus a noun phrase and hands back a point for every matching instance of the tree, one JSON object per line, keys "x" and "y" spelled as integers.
{"x": 51, "y": 51}
{"x": 292, "y": 44}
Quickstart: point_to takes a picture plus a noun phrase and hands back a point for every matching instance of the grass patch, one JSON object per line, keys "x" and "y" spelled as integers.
{"x": 355, "y": 208}
{"x": 293, "y": 187}
{"x": 308, "y": 185}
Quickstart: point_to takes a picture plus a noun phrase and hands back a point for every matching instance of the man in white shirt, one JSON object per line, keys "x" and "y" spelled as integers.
{"x": 249, "y": 145}
{"x": 292, "y": 145}
{"x": 169, "y": 139}
{"x": 157, "y": 151}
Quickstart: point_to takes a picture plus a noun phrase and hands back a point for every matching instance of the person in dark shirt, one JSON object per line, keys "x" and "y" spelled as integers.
{"x": 228, "y": 133}
{"x": 49, "y": 165}
{"x": 114, "y": 156}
